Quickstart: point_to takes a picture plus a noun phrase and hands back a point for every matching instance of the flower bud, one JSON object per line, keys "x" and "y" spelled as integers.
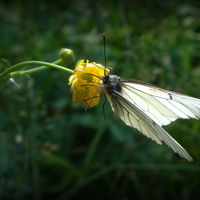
{"x": 66, "y": 55}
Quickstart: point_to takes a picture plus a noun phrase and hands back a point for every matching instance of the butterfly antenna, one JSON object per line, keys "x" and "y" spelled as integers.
{"x": 104, "y": 51}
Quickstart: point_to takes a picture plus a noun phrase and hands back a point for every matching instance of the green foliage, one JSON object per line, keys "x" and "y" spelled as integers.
{"x": 50, "y": 148}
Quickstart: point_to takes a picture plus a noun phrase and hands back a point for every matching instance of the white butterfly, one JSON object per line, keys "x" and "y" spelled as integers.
{"x": 147, "y": 107}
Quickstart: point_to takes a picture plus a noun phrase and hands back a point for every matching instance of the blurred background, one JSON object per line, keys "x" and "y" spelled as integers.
{"x": 50, "y": 147}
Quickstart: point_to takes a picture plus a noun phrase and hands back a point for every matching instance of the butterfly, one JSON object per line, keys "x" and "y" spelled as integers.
{"x": 147, "y": 107}
{"x": 140, "y": 105}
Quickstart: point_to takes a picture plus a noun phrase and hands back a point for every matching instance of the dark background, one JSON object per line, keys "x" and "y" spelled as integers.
{"x": 50, "y": 148}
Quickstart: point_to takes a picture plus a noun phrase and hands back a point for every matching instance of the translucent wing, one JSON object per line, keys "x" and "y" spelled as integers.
{"x": 162, "y": 106}
{"x": 135, "y": 117}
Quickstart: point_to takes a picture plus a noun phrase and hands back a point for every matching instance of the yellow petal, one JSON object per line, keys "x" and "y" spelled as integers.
{"x": 85, "y": 82}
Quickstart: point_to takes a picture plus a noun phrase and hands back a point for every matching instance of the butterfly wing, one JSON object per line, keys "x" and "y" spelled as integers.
{"x": 162, "y": 106}
{"x": 137, "y": 118}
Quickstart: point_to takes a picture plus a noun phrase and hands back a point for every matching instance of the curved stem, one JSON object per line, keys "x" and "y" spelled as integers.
{"x": 91, "y": 151}
{"x": 45, "y": 66}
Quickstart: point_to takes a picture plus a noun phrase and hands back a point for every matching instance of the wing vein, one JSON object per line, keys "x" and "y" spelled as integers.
{"x": 144, "y": 123}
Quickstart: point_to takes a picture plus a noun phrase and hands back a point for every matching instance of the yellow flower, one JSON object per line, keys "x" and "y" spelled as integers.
{"x": 85, "y": 82}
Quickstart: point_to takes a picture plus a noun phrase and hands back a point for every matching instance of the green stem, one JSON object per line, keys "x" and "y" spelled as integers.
{"x": 46, "y": 65}
{"x": 92, "y": 149}
{"x": 30, "y": 71}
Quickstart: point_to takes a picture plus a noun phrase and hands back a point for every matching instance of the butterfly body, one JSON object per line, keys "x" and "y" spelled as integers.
{"x": 110, "y": 84}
